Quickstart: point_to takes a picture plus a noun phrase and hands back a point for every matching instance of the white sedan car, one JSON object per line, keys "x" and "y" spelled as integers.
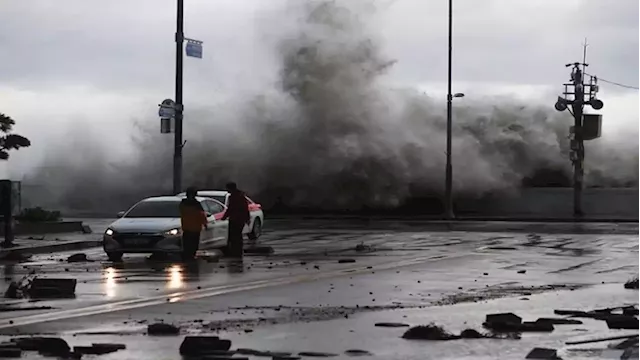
{"x": 254, "y": 229}
{"x": 153, "y": 226}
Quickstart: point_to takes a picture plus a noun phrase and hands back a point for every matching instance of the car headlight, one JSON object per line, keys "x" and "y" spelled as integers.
{"x": 172, "y": 232}
{"x": 109, "y": 232}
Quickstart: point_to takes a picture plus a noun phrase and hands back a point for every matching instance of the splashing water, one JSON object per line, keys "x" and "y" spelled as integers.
{"x": 335, "y": 136}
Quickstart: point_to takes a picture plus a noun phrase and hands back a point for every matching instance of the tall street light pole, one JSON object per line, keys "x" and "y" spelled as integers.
{"x": 448, "y": 202}
{"x": 177, "y": 152}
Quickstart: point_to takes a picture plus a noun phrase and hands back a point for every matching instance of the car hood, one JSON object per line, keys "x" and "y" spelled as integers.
{"x": 145, "y": 225}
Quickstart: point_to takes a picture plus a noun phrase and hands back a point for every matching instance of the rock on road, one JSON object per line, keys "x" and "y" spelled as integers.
{"x": 303, "y": 298}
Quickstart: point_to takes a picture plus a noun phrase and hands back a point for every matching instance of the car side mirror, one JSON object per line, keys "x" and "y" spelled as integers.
{"x": 120, "y": 214}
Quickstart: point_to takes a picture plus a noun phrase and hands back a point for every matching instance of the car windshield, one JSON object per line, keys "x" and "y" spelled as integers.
{"x": 220, "y": 198}
{"x": 155, "y": 209}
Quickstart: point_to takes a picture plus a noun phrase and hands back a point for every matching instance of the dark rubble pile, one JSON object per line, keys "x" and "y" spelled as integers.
{"x": 632, "y": 284}
{"x": 36, "y": 287}
{"x": 435, "y": 332}
{"x": 53, "y": 347}
{"x": 510, "y": 326}
{"x": 623, "y": 317}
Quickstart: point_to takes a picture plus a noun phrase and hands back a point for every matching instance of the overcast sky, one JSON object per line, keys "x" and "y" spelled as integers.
{"x": 100, "y": 64}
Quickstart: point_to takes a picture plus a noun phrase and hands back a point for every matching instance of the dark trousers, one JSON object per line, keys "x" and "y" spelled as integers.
{"x": 190, "y": 243}
{"x": 234, "y": 241}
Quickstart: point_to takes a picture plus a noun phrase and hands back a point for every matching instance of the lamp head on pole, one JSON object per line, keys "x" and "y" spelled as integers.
{"x": 561, "y": 104}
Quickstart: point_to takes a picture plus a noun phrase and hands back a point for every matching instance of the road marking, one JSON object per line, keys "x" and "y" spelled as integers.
{"x": 209, "y": 292}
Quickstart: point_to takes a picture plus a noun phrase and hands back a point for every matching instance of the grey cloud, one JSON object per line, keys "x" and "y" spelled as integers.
{"x": 127, "y": 45}
{"x": 117, "y": 45}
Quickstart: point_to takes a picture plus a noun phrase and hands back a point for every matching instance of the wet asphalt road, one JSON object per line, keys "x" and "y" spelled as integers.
{"x": 302, "y": 299}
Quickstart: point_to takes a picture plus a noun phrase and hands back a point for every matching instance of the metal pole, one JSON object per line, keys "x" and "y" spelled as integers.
{"x": 177, "y": 154}
{"x": 449, "y": 170}
{"x": 578, "y": 170}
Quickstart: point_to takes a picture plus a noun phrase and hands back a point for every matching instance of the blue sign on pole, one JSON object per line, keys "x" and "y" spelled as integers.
{"x": 194, "y": 48}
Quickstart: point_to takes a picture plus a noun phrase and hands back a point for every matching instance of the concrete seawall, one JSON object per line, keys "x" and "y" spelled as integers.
{"x": 525, "y": 204}
{"x": 38, "y": 228}
{"x": 558, "y": 203}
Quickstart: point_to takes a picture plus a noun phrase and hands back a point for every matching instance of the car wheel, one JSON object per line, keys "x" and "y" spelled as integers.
{"x": 256, "y": 230}
{"x": 114, "y": 256}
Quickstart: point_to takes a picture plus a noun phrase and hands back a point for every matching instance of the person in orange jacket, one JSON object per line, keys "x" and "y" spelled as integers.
{"x": 238, "y": 214}
{"x": 193, "y": 219}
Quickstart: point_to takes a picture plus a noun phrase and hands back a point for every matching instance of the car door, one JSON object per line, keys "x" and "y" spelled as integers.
{"x": 219, "y": 226}
{"x": 209, "y": 233}
{"x": 252, "y": 215}
{"x": 246, "y": 228}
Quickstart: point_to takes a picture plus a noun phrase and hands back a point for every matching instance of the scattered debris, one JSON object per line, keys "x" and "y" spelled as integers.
{"x": 162, "y": 329}
{"x": 543, "y": 353}
{"x": 560, "y": 321}
{"x": 601, "y": 339}
{"x": 98, "y": 349}
{"x": 623, "y": 318}
{"x": 10, "y": 350}
{"x": 583, "y": 314}
{"x": 391, "y": 324}
{"x": 80, "y": 257}
{"x": 44, "y": 345}
{"x": 501, "y": 248}
{"x": 632, "y": 284}
{"x": 471, "y": 334}
{"x": 622, "y": 322}
{"x": 428, "y": 332}
{"x": 503, "y": 318}
{"x": 527, "y": 326}
{"x": 258, "y": 353}
{"x": 630, "y": 310}
{"x": 51, "y": 288}
{"x": 509, "y": 322}
{"x": 346, "y": 261}
{"x": 110, "y": 345}
{"x": 500, "y": 291}
{"x": 316, "y": 354}
{"x": 362, "y": 247}
{"x": 357, "y": 352}
{"x": 202, "y": 345}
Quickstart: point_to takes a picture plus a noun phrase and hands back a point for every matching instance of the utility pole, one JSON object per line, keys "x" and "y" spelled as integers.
{"x": 578, "y": 163}
{"x": 448, "y": 202}
{"x": 578, "y": 132}
{"x": 177, "y": 152}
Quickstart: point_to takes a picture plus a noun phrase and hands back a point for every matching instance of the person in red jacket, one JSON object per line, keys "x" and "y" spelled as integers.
{"x": 238, "y": 215}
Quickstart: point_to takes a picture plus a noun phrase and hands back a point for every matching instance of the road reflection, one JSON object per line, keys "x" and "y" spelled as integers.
{"x": 171, "y": 276}
{"x": 110, "y": 282}
{"x": 176, "y": 280}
